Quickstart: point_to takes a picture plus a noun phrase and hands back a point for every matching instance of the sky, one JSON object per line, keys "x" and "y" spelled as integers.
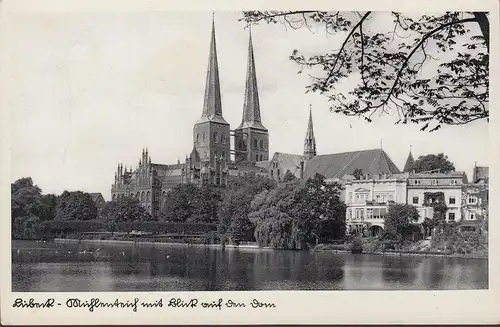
{"x": 88, "y": 90}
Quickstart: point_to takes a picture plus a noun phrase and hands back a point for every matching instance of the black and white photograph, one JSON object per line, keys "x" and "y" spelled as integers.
{"x": 247, "y": 150}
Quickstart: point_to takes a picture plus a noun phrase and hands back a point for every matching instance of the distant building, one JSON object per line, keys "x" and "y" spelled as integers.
{"x": 209, "y": 161}
{"x": 480, "y": 174}
{"x": 99, "y": 201}
{"x": 475, "y": 200}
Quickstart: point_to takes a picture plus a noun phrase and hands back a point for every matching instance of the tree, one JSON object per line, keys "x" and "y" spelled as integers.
{"x": 296, "y": 214}
{"x": 25, "y": 198}
{"x": 180, "y": 203}
{"x": 425, "y": 69}
{"x": 437, "y": 162}
{"x": 190, "y": 203}
{"x": 357, "y": 173}
{"x": 206, "y": 204}
{"x": 124, "y": 209}
{"x": 75, "y": 206}
{"x": 400, "y": 218}
{"x": 234, "y": 209}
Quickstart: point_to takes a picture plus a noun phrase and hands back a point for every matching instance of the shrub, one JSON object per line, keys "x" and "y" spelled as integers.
{"x": 357, "y": 245}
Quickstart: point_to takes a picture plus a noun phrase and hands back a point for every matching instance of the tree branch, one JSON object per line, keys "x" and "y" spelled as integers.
{"x": 365, "y": 16}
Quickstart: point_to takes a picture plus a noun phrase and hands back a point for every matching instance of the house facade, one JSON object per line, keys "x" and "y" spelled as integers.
{"x": 368, "y": 200}
{"x": 425, "y": 190}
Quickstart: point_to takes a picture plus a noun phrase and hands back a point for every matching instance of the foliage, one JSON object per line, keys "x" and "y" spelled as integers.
{"x": 288, "y": 176}
{"x": 180, "y": 203}
{"x": 357, "y": 173}
{"x": 234, "y": 209}
{"x": 426, "y": 69}
{"x": 190, "y": 203}
{"x": 399, "y": 220}
{"x": 451, "y": 240}
{"x": 65, "y": 227}
{"x": 75, "y": 206}
{"x": 160, "y": 227}
{"x": 430, "y": 162}
{"x": 357, "y": 245}
{"x": 25, "y": 198}
{"x": 26, "y": 227}
{"x": 124, "y": 209}
{"x": 292, "y": 214}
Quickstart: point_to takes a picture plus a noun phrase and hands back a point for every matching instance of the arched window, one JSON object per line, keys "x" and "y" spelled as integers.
{"x": 216, "y": 137}
{"x": 223, "y": 138}
{"x": 197, "y": 137}
{"x": 114, "y": 197}
{"x": 142, "y": 196}
{"x": 255, "y": 143}
{"x": 148, "y": 197}
{"x": 261, "y": 144}
{"x": 204, "y": 137}
{"x": 223, "y": 154}
{"x": 241, "y": 144}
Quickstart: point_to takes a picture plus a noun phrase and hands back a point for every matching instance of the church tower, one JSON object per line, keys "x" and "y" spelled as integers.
{"x": 310, "y": 141}
{"x": 211, "y": 131}
{"x": 251, "y": 137}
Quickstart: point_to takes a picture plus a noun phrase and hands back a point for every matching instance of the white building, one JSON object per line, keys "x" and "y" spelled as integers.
{"x": 425, "y": 189}
{"x": 368, "y": 201}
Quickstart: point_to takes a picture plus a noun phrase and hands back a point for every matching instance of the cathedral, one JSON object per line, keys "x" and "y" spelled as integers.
{"x": 211, "y": 158}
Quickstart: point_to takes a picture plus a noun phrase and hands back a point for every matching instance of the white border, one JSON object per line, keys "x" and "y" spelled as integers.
{"x": 293, "y": 307}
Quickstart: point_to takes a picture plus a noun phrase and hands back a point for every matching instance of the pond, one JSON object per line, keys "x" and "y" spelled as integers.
{"x": 72, "y": 267}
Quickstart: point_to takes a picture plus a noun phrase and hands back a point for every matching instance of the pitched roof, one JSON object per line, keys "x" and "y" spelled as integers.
{"x": 409, "y": 163}
{"x": 251, "y": 107}
{"x": 95, "y": 196}
{"x": 212, "y": 104}
{"x": 371, "y": 162}
{"x": 289, "y": 162}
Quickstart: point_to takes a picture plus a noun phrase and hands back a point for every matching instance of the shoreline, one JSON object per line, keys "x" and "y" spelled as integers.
{"x": 256, "y": 247}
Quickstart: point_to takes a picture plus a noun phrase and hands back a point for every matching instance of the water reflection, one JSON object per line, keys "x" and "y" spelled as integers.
{"x": 140, "y": 267}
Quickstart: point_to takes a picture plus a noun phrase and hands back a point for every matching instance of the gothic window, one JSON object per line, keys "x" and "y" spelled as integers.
{"x": 114, "y": 197}
{"x": 216, "y": 137}
{"x": 142, "y": 196}
{"x": 223, "y": 154}
{"x": 223, "y": 138}
{"x": 148, "y": 197}
{"x": 197, "y": 137}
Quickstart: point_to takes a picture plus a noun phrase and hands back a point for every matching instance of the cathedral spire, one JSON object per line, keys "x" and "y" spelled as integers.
{"x": 409, "y": 163}
{"x": 310, "y": 141}
{"x": 212, "y": 104}
{"x": 251, "y": 107}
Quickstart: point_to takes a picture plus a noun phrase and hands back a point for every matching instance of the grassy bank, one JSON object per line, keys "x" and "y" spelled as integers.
{"x": 373, "y": 245}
